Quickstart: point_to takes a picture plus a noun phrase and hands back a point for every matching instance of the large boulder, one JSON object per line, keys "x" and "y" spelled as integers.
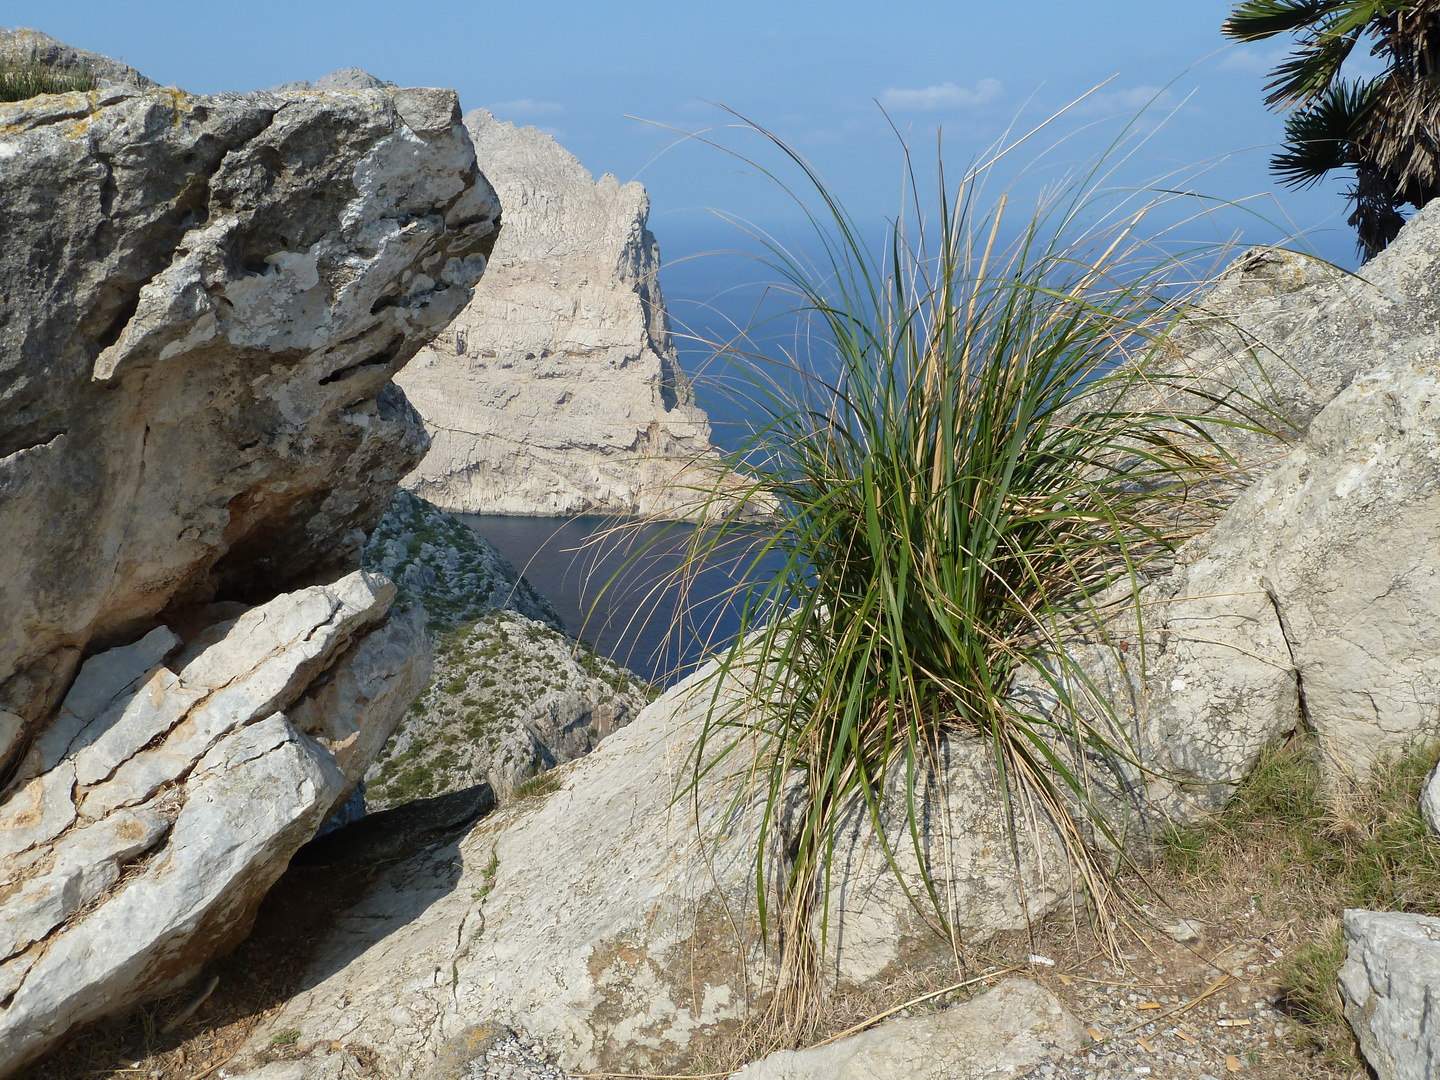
{"x": 151, "y": 817}
{"x": 1315, "y": 597}
{"x": 557, "y": 390}
{"x": 205, "y": 299}
{"x": 1389, "y": 983}
{"x": 619, "y": 923}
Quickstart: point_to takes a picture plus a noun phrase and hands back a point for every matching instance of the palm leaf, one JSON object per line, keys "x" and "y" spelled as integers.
{"x": 1326, "y": 135}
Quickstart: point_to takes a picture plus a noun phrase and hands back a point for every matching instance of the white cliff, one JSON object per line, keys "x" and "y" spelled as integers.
{"x": 557, "y": 390}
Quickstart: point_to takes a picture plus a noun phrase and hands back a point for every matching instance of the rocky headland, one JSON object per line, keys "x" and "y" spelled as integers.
{"x": 557, "y": 390}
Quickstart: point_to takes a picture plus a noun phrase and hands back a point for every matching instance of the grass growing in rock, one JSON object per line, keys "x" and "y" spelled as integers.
{"x": 962, "y": 479}
{"x": 22, "y": 80}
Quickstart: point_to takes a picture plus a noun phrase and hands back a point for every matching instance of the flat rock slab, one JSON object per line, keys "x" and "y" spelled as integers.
{"x": 1389, "y": 983}
{"x": 1017, "y": 1025}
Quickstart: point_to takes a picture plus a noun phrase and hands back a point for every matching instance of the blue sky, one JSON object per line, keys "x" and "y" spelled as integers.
{"x": 812, "y": 72}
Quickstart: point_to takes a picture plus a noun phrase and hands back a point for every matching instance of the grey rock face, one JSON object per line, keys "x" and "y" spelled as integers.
{"x": 351, "y": 78}
{"x": 31, "y": 46}
{"x": 205, "y": 301}
{"x": 1017, "y": 1025}
{"x": 1318, "y": 589}
{"x": 1389, "y": 982}
{"x": 135, "y": 861}
{"x": 591, "y": 918}
{"x": 1430, "y": 800}
{"x": 557, "y": 390}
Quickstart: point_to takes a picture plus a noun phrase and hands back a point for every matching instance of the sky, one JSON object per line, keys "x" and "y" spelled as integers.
{"x": 618, "y": 83}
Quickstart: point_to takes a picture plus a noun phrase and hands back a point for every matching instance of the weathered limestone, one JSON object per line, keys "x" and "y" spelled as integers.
{"x": 557, "y": 390}
{"x": 190, "y": 774}
{"x": 1318, "y": 590}
{"x": 206, "y": 298}
{"x": 593, "y": 918}
{"x": 1389, "y": 983}
{"x": 1015, "y": 1026}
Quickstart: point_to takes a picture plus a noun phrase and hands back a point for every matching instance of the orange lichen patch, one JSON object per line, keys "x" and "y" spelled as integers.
{"x": 26, "y": 808}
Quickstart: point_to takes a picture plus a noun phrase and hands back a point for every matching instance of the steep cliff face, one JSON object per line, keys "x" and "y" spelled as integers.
{"x": 202, "y": 301}
{"x": 557, "y": 389}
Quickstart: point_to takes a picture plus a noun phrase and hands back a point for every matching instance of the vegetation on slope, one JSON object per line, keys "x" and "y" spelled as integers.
{"x": 22, "y": 80}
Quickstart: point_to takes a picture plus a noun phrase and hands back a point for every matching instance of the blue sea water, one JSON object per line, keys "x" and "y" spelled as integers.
{"x": 613, "y": 583}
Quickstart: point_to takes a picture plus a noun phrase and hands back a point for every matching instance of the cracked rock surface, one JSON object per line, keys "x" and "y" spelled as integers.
{"x": 205, "y": 301}
{"x": 589, "y": 917}
{"x": 1317, "y": 593}
{"x": 131, "y": 859}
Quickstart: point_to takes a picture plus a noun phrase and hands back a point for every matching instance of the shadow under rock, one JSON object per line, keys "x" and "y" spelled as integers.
{"x": 311, "y": 924}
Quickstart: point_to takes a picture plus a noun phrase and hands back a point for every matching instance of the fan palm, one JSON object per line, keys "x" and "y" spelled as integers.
{"x": 1386, "y": 128}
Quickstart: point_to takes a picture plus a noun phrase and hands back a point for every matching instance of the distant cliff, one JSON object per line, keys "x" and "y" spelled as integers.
{"x": 557, "y": 389}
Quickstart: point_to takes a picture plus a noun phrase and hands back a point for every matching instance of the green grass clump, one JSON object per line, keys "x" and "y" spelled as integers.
{"x": 959, "y": 471}
{"x": 22, "y": 80}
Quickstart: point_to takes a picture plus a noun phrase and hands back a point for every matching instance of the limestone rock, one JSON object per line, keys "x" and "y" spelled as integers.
{"x": 1289, "y": 333}
{"x": 205, "y": 300}
{"x": 1430, "y": 800}
{"x": 557, "y": 390}
{"x": 591, "y": 917}
{"x": 1318, "y": 588}
{"x": 144, "y": 844}
{"x": 1389, "y": 982}
{"x": 31, "y": 46}
{"x": 351, "y": 78}
{"x": 1015, "y": 1026}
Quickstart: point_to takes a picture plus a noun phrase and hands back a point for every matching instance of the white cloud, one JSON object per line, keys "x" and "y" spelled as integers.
{"x": 527, "y": 107}
{"x": 945, "y": 96}
{"x": 1125, "y": 101}
{"x": 1253, "y": 60}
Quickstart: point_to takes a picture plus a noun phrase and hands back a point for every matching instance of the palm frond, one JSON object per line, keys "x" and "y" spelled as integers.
{"x": 1256, "y": 20}
{"x": 1326, "y": 135}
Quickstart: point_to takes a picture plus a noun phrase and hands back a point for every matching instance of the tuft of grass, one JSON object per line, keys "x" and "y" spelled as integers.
{"x": 22, "y": 80}
{"x": 960, "y": 480}
{"x": 541, "y": 783}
